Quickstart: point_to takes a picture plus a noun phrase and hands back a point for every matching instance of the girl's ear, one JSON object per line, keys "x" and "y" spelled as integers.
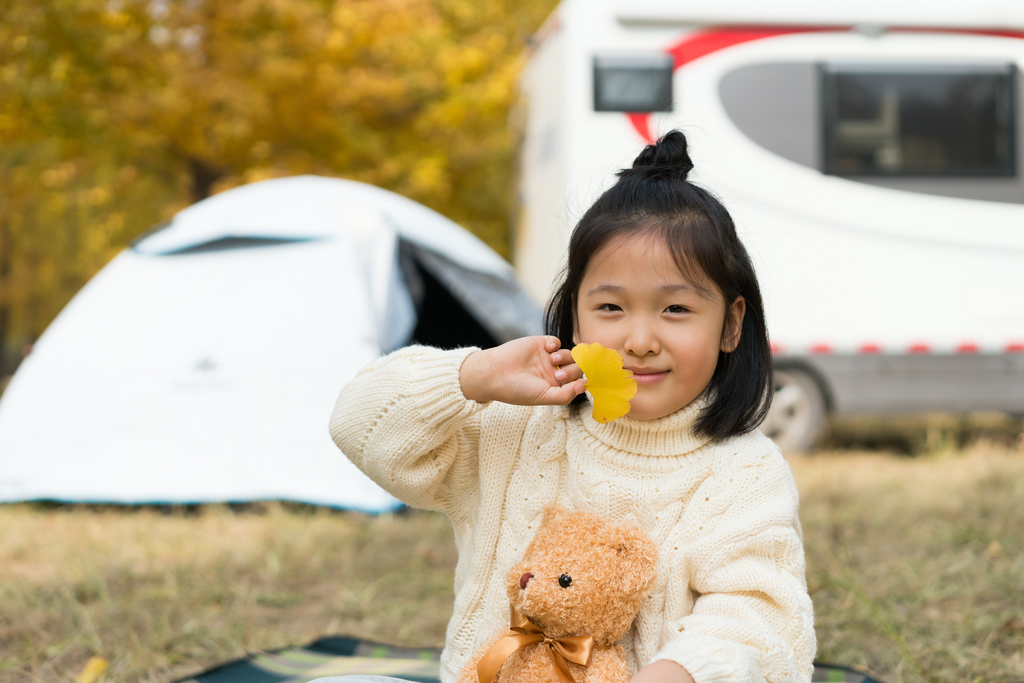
{"x": 733, "y": 325}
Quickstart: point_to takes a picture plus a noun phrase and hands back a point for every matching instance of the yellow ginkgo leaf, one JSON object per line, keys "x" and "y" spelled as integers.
{"x": 92, "y": 670}
{"x": 608, "y": 384}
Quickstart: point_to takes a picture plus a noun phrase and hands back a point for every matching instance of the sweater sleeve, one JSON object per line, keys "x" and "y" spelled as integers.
{"x": 753, "y": 619}
{"x": 404, "y": 421}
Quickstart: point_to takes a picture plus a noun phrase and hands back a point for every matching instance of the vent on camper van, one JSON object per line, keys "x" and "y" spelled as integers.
{"x": 633, "y": 83}
{"x": 919, "y": 120}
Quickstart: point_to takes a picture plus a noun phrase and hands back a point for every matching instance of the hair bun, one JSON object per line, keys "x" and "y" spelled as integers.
{"x": 667, "y": 158}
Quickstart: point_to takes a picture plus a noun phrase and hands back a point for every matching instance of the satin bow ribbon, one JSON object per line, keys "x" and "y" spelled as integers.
{"x": 524, "y": 632}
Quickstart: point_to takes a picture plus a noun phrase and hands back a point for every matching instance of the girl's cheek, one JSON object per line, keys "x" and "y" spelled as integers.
{"x": 602, "y": 332}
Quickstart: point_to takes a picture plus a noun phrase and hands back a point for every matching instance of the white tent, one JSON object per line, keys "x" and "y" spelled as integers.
{"x": 203, "y": 362}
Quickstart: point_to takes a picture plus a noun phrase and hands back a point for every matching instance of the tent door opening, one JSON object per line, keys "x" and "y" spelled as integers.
{"x": 441, "y": 320}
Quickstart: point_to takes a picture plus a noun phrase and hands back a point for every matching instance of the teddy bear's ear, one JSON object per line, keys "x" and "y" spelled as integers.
{"x": 637, "y": 552}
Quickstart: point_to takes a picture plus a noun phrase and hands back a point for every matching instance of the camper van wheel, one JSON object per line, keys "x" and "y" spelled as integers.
{"x": 798, "y": 413}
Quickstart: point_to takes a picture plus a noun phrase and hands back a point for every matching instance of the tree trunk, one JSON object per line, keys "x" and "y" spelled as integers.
{"x": 5, "y": 305}
{"x": 5, "y": 317}
{"x": 204, "y": 175}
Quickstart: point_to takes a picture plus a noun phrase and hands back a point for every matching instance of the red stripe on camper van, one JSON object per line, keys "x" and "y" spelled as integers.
{"x": 919, "y": 347}
{"x": 697, "y": 45}
{"x": 994, "y": 33}
{"x": 642, "y": 122}
{"x": 700, "y": 44}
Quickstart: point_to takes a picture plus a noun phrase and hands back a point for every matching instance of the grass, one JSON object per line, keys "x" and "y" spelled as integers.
{"x": 164, "y": 594}
{"x": 915, "y": 566}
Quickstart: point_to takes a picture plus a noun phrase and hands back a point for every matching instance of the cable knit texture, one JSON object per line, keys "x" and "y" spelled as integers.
{"x": 730, "y": 599}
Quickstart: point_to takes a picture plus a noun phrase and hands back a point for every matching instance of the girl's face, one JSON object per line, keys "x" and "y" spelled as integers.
{"x": 633, "y": 299}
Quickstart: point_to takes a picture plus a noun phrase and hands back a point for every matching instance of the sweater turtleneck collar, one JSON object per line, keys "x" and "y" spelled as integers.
{"x": 671, "y": 435}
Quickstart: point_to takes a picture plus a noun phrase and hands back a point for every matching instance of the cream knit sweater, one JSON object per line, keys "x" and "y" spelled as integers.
{"x": 730, "y": 601}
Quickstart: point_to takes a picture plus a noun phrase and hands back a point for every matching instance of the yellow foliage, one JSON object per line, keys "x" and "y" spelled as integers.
{"x": 137, "y": 109}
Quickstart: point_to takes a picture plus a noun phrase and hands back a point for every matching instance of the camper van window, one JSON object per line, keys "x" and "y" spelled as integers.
{"x": 920, "y": 120}
{"x": 633, "y": 83}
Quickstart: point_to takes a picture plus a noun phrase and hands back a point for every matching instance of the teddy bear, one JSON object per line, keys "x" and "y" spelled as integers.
{"x": 573, "y": 597}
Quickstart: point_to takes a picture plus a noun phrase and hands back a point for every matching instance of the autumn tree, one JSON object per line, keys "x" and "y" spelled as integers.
{"x": 115, "y": 114}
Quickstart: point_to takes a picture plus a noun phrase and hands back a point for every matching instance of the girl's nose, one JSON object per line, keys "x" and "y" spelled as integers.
{"x": 642, "y": 341}
{"x": 525, "y": 579}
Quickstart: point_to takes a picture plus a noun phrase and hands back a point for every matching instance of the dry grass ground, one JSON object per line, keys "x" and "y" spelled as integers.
{"x": 916, "y": 568}
{"x": 165, "y": 594}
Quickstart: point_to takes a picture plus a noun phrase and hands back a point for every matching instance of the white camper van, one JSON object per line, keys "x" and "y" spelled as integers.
{"x": 871, "y": 154}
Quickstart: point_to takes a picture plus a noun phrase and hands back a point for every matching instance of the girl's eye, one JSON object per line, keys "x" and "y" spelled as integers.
{"x": 676, "y": 309}
{"x": 609, "y": 307}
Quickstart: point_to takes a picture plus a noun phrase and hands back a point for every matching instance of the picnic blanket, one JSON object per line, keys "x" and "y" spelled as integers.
{"x": 340, "y": 656}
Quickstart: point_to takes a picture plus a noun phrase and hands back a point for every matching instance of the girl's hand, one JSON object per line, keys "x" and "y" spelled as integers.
{"x": 531, "y": 371}
{"x": 662, "y": 671}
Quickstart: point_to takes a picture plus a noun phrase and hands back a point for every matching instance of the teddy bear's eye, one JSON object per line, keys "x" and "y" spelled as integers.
{"x": 564, "y": 580}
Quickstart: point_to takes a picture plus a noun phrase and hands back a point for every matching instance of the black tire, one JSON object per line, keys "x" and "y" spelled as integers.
{"x": 798, "y": 414}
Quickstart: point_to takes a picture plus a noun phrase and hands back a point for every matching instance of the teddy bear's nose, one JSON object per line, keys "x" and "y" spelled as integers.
{"x": 525, "y": 579}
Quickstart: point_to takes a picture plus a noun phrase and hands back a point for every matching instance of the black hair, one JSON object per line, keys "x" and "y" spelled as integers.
{"x": 655, "y": 197}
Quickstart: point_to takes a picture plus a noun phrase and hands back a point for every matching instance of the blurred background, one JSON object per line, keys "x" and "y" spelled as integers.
{"x": 870, "y": 153}
{"x": 116, "y": 115}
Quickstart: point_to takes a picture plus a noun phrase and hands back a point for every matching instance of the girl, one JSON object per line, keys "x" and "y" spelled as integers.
{"x": 657, "y": 273}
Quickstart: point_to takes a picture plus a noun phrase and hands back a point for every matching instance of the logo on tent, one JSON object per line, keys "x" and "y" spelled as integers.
{"x": 205, "y": 365}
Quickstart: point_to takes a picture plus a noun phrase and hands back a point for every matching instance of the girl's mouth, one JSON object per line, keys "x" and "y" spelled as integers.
{"x": 646, "y": 376}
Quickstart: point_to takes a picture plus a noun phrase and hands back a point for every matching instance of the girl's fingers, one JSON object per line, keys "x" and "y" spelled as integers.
{"x": 568, "y": 373}
{"x": 561, "y": 358}
{"x": 565, "y": 394}
{"x": 552, "y": 343}
{"x": 576, "y": 388}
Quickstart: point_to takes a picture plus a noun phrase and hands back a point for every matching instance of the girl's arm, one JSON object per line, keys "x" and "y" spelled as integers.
{"x": 411, "y": 421}
{"x": 404, "y": 422}
{"x": 753, "y": 619}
